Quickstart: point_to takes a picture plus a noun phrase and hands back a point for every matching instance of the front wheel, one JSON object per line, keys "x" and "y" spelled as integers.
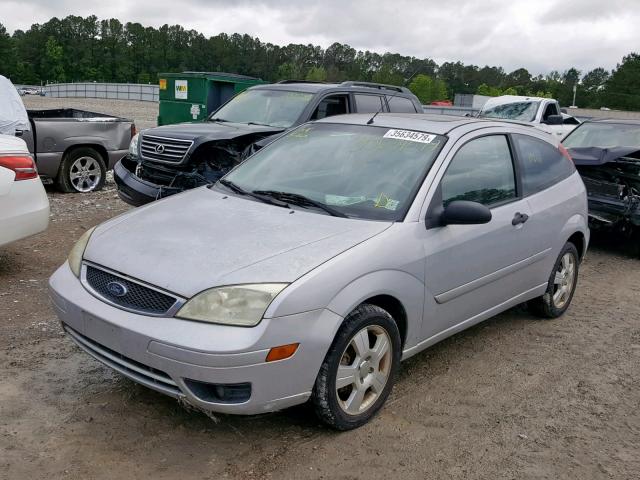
{"x": 359, "y": 370}
{"x": 561, "y": 286}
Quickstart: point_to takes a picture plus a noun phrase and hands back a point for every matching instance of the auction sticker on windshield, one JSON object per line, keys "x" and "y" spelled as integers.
{"x": 410, "y": 136}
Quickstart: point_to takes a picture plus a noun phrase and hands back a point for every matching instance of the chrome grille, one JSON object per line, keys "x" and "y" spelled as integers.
{"x": 148, "y": 376}
{"x": 136, "y": 297}
{"x": 162, "y": 149}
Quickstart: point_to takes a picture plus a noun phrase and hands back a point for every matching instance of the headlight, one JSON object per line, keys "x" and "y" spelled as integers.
{"x": 76, "y": 253}
{"x": 242, "y": 305}
{"x": 133, "y": 146}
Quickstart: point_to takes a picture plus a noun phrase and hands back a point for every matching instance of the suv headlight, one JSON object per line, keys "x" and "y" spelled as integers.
{"x": 77, "y": 252}
{"x": 133, "y": 146}
{"x": 242, "y": 305}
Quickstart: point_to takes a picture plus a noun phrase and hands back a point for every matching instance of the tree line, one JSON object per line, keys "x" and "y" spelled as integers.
{"x": 76, "y": 49}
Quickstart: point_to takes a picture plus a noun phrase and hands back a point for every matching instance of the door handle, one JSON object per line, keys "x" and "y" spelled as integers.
{"x": 519, "y": 218}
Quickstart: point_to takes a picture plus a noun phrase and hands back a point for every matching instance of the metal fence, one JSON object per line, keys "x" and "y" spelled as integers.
{"x": 116, "y": 91}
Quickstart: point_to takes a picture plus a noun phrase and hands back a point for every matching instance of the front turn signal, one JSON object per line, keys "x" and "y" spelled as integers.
{"x": 282, "y": 352}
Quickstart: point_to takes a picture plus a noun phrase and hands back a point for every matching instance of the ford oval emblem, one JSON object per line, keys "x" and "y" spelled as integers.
{"x": 117, "y": 289}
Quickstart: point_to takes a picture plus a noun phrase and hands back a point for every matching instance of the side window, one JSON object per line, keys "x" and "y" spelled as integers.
{"x": 541, "y": 163}
{"x": 400, "y": 105}
{"x": 481, "y": 171}
{"x": 331, "y": 105}
{"x": 551, "y": 109}
{"x": 368, "y": 103}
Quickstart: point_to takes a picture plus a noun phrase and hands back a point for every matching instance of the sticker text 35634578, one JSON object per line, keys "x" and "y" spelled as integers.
{"x": 410, "y": 136}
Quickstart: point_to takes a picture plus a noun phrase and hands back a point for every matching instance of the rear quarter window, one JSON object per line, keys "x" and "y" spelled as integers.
{"x": 541, "y": 164}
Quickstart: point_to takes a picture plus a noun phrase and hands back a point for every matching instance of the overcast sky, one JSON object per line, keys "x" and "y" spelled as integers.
{"x": 540, "y": 35}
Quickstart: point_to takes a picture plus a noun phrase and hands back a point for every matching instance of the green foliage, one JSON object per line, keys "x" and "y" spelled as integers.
{"x": 428, "y": 89}
{"x": 53, "y": 55}
{"x": 317, "y": 74}
{"x": 78, "y": 48}
{"x": 490, "y": 91}
{"x": 622, "y": 90}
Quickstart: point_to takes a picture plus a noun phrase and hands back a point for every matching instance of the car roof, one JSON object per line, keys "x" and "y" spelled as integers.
{"x": 431, "y": 123}
{"x": 315, "y": 87}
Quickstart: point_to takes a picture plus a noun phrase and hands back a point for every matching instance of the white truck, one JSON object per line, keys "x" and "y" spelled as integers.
{"x": 543, "y": 113}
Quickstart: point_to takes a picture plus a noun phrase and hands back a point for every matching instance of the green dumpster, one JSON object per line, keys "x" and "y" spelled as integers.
{"x": 192, "y": 96}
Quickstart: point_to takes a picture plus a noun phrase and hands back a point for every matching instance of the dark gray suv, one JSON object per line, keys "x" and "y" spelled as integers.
{"x": 166, "y": 160}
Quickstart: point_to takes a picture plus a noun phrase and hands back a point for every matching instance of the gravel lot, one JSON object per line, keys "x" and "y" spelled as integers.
{"x": 512, "y": 398}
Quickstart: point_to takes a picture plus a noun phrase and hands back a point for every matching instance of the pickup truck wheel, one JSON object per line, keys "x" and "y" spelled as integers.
{"x": 359, "y": 370}
{"x": 82, "y": 170}
{"x": 561, "y": 286}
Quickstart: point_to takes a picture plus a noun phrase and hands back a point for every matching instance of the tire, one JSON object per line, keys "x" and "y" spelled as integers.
{"x": 82, "y": 170}
{"x": 552, "y": 304}
{"x": 369, "y": 369}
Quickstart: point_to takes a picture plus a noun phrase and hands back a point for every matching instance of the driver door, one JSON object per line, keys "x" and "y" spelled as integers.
{"x": 472, "y": 269}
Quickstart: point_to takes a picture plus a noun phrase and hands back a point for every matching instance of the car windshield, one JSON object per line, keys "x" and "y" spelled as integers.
{"x": 523, "y": 111}
{"x": 603, "y": 135}
{"x": 358, "y": 171}
{"x": 276, "y": 108}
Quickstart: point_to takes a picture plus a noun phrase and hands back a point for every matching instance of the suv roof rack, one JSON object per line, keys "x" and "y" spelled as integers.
{"x": 298, "y": 81}
{"x": 379, "y": 86}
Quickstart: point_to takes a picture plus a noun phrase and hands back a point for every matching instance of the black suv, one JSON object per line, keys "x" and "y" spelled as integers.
{"x": 169, "y": 159}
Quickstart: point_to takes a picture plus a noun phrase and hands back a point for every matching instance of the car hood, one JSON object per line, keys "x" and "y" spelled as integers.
{"x": 203, "y": 238}
{"x": 593, "y": 156}
{"x": 203, "y": 131}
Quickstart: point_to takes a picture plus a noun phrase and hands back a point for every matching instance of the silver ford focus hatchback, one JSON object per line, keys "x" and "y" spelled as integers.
{"x": 312, "y": 269}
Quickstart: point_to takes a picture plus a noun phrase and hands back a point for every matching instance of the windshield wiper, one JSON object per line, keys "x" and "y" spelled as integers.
{"x": 241, "y": 191}
{"x": 258, "y": 123}
{"x": 300, "y": 200}
{"x": 218, "y": 119}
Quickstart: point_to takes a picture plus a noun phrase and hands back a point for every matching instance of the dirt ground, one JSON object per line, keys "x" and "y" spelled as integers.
{"x": 512, "y": 398}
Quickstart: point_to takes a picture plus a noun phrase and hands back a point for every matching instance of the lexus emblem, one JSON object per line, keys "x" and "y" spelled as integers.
{"x": 117, "y": 289}
{"x": 159, "y": 148}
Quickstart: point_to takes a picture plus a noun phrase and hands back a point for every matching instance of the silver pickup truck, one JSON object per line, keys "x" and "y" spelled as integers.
{"x": 72, "y": 148}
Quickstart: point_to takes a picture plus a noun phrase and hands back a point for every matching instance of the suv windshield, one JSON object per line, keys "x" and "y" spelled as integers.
{"x": 275, "y": 108}
{"x": 358, "y": 171}
{"x": 603, "y": 135}
{"x": 523, "y": 111}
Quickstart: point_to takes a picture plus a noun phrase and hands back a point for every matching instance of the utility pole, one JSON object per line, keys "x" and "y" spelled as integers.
{"x": 575, "y": 88}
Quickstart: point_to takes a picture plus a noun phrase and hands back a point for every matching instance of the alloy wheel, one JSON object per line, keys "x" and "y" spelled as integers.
{"x": 364, "y": 369}
{"x": 85, "y": 174}
{"x": 564, "y": 280}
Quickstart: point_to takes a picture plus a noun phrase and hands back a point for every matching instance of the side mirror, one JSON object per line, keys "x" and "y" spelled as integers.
{"x": 554, "y": 120}
{"x": 463, "y": 212}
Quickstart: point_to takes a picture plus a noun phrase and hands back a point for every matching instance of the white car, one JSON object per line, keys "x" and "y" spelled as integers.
{"x": 24, "y": 206}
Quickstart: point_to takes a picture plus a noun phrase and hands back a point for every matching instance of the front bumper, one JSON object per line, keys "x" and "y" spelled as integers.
{"x": 166, "y": 354}
{"x": 134, "y": 190}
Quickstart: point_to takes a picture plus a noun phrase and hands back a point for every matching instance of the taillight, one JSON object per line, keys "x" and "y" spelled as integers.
{"x": 565, "y": 153}
{"x": 22, "y": 165}
{"x": 134, "y": 130}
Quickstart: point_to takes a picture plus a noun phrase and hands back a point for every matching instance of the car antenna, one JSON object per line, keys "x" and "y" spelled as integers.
{"x": 381, "y": 107}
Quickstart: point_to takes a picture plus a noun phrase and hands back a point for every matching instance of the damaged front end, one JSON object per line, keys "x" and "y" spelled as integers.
{"x": 612, "y": 179}
{"x": 164, "y": 166}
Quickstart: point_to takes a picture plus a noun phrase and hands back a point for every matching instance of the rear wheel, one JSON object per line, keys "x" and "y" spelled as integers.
{"x": 82, "y": 170}
{"x": 561, "y": 286}
{"x": 359, "y": 370}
